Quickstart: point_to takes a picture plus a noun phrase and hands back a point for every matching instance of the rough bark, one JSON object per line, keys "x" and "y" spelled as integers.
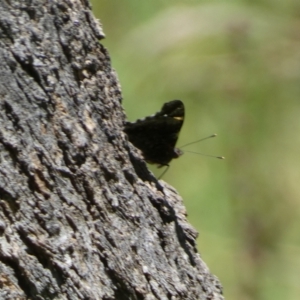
{"x": 80, "y": 215}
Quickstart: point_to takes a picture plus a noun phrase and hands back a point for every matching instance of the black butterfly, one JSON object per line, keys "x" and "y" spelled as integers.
{"x": 157, "y": 135}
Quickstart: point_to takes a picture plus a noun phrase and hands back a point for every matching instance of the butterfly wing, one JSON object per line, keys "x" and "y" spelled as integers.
{"x": 157, "y": 135}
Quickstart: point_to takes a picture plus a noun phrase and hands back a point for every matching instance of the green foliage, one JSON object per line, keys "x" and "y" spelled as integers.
{"x": 236, "y": 65}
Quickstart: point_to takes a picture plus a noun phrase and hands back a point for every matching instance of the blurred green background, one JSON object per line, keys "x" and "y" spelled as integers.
{"x": 236, "y": 66}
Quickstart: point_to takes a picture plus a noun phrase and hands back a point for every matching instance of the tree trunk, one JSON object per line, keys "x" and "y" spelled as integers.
{"x": 81, "y": 217}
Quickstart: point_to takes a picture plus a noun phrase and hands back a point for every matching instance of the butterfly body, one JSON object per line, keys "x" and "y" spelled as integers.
{"x": 156, "y": 135}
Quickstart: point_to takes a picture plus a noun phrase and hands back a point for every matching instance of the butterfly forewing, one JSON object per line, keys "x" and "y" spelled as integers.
{"x": 157, "y": 135}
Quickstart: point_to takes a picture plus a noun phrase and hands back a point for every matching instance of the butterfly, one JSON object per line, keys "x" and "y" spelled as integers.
{"x": 156, "y": 135}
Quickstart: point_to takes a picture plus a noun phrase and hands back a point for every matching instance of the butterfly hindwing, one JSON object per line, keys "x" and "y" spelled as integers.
{"x": 157, "y": 135}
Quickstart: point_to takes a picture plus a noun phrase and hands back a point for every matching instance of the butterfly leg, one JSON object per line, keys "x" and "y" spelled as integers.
{"x": 164, "y": 172}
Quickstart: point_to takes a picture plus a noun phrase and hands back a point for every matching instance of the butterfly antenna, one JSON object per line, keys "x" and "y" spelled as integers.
{"x": 219, "y": 157}
{"x": 208, "y": 137}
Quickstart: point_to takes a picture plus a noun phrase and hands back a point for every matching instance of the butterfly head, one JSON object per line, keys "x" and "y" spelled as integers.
{"x": 177, "y": 153}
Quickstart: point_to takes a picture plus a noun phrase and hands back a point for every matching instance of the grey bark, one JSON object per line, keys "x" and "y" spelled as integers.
{"x": 80, "y": 215}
